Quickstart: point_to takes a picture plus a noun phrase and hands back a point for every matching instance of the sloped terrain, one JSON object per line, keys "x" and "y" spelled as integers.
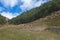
{"x": 46, "y": 25}
{"x": 36, "y": 30}
{"x": 37, "y": 13}
{"x": 2, "y": 20}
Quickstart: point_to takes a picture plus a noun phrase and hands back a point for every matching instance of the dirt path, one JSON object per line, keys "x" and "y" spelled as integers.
{"x": 36, "y": 28}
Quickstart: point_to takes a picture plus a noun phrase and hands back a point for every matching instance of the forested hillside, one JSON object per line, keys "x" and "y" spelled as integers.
{"x": 36, "y": 13}
{"x": 2, "y": 20}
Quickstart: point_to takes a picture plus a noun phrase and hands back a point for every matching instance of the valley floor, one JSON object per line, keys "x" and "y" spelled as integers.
{"x": 23, "y": 32}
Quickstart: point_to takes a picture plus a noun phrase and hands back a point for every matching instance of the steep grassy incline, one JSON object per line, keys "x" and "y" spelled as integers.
{"x": 54, "y": 19}
{"x": 51, "y": 20}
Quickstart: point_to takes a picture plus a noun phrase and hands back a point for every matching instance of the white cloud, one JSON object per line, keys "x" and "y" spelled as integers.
{"x": 10, "y": 3}
{"x": 29, "y": 4}
{"x": 26, "y": 4}
{"x": 9, "y": 15}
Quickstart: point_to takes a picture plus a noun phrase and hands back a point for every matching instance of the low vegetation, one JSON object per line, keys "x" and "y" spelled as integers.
{"x": 54, "y": 19}
{"x": 11, "y": 32}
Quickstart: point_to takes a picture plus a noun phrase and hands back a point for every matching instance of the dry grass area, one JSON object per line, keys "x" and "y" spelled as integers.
{"x": 36, "y": 30}
{"x": 21, "y": 32}
{"x": 25, "y": 27}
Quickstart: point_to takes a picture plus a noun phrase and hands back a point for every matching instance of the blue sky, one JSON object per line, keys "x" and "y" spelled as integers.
{"x": 13, "y": 8}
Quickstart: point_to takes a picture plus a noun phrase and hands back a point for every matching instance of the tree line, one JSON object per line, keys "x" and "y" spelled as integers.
{"x": 2, "y": 20}
{"x": 36, "y": 13}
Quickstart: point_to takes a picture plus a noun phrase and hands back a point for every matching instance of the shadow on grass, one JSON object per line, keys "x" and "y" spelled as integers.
{"x": 55, "y": 29}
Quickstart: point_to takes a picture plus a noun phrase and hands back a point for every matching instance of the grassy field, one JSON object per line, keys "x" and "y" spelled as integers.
{"x": 33, "y": 31}
{"x": 14, "y": 32}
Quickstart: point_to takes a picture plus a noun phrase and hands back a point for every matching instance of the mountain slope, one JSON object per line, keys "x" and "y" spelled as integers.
{"x": 37, "y": 13}
{"x": 2, "y": 19}
{"x": 54, "y": 19}
{"x": 33, "y": 30}
{"x": 51, "y": 20}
